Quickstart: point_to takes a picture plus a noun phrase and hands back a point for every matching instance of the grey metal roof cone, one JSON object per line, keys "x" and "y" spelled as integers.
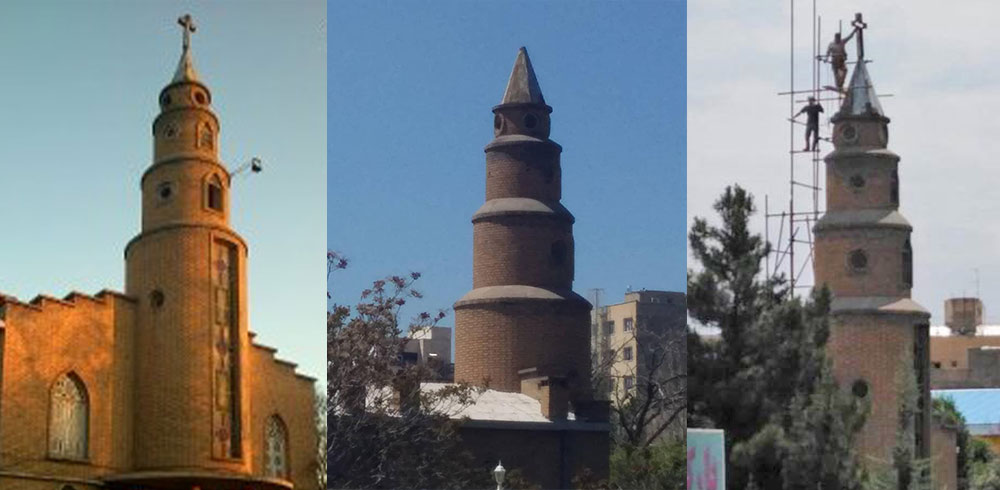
{"x": 522, "y": 88}
{"x": 861, "y": 99}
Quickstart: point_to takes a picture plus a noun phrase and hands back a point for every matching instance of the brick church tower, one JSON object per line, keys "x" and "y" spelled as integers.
{"x": 522, "y": 319}
{"x": 863, "y": 254}
{"x": 187, "y": 267}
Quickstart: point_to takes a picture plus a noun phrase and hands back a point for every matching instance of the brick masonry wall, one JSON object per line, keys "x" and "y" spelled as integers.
{"x": 883, "y": 275}
{"x": 277, "y": 390}
{"x": 90, "y": 337}
{"x": 527, "y": 170}
{"x": 944, "y": 458}
{"x": 874, "y": 173}
{"x": 873, "y": 348}
{"x": 517, "y": 250}
{"x": 174, "y": 344}
{"x": 495, "y": 340}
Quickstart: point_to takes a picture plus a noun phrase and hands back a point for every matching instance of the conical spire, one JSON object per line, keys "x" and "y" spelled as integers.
{"x": 185, "y": 67}
{"x": 523, "y": 86}
{"x": 861, "y": 99}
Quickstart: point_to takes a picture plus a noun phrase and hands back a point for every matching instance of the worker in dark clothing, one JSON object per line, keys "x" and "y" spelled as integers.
{"x": 812, "y": 110}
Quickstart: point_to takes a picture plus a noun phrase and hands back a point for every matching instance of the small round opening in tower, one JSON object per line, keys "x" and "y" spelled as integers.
{"x": 850, "y": 133}
{"x": 857, "y": 181}
{"x": 165, "y": 191}
{"x": 860, "y": 388}
{"x": 497, "y": 121}
{"x": 156, "y": 298}
{"x": 530, "y": 121}
{"x": 165, "y": 101}
{"x": 858, "y": 260}
{"x": 200, "y": 98}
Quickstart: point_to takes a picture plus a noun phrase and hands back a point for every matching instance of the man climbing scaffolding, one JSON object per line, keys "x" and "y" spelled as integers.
{"x": 812, "y": 110}
{"x": 836, "y": 52}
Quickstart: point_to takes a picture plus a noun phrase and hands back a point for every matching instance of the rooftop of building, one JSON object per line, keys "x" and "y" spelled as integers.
{"x": 981, "y": 331}
{"x": 498, "y": 409}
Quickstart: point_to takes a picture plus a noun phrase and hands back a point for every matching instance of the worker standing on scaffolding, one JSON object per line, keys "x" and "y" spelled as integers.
{"x": 836, "y": 53}
{"x": 812, "y": 110}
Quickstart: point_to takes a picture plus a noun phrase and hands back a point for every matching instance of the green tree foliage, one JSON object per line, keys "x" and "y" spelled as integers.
{"x": 978, "y": 466}
{"x": 659, "y": 466}
{"x": 766, "y": 380}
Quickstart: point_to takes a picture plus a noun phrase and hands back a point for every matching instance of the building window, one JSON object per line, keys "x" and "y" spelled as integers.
{"x": 214, "y": 194}
{"x": 857, "y": 260}
{"x": 627, "y": 354}
{"x": 954, "y": 364}
{"x": 557, "y": 253}
{"x": 860, "y": 388}
{"x": 609, "y": 328}
{"x": 894, "y": 187}
{"x": 206, "y": 136}
{"x": 628, "y": 324}
{"x": 629, "y": 382}
{"x": 907, "y": 264}
{"x": 937, "y": 365}
{"x": 68, "y": 414}
{"x": 276, "y": 448}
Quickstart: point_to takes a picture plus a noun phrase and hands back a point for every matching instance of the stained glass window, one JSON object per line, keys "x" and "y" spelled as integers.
{"x": 68, "y": 413}
{"x": 276, "y": 448}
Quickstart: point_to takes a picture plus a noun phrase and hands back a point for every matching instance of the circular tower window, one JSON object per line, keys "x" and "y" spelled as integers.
{"x": 850, "y": 133}
{"x": 165, "y": 191}
{"x": 530, "y": 121}
{"x": 200, "y": 98}
{"x": 165, "y": 100}
{"x": 860, "y": 388}
{"x": 857, "y": 181}
{"x": 858, "y": 260}
{"x": 156, "y": 298}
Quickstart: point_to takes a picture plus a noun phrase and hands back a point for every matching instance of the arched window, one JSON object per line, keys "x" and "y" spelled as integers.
{"x": 214, "y": 194}
{"x": 276, "y": 448}
{"x": 206, "y": 136}
{"x": 894, "y": 187}
{"x": 907, "y": 264}
{"x": 68, "y": 414}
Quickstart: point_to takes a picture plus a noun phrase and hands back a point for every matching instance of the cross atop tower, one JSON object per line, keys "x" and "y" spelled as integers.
{"x": 859, "y": 27}
{"x": 187, "y": 22}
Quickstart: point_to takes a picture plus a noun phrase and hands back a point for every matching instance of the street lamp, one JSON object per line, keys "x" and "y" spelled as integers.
{"x": 498, "y": 474}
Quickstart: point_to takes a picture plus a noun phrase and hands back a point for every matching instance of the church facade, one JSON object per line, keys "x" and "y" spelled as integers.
{"x": 160, "y": 386}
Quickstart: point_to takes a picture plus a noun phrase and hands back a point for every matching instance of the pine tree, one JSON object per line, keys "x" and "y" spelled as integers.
{"x": 766, "y": 381}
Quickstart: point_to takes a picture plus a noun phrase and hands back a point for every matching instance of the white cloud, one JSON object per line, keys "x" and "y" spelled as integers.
{"x": 939, "y": 62}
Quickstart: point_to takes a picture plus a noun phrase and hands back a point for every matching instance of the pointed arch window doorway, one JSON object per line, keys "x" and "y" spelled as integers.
{"x": 69, "y": 411}
{"x": 276, "y": 448}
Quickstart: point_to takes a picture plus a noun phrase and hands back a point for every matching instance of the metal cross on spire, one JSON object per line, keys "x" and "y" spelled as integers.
{"x": 187, "y": 22}
{"x": 859, "y": 27}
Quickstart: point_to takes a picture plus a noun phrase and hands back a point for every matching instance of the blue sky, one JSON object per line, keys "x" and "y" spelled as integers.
{"x": 411, "y": 86}
{"x": 77, "y": 100}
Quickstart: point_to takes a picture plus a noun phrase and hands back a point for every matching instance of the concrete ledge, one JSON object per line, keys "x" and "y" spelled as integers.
{"x": 520, "y": 140}
{"x": 189, "y": 478}
{"x": 517, "y": 293}
{"x": 511, "y": 206}
{"x": 861, "y": 152}
{"x": 862, "y": 218}
{"x": 556, "y": 425}
{"x": 878, "y": 305}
